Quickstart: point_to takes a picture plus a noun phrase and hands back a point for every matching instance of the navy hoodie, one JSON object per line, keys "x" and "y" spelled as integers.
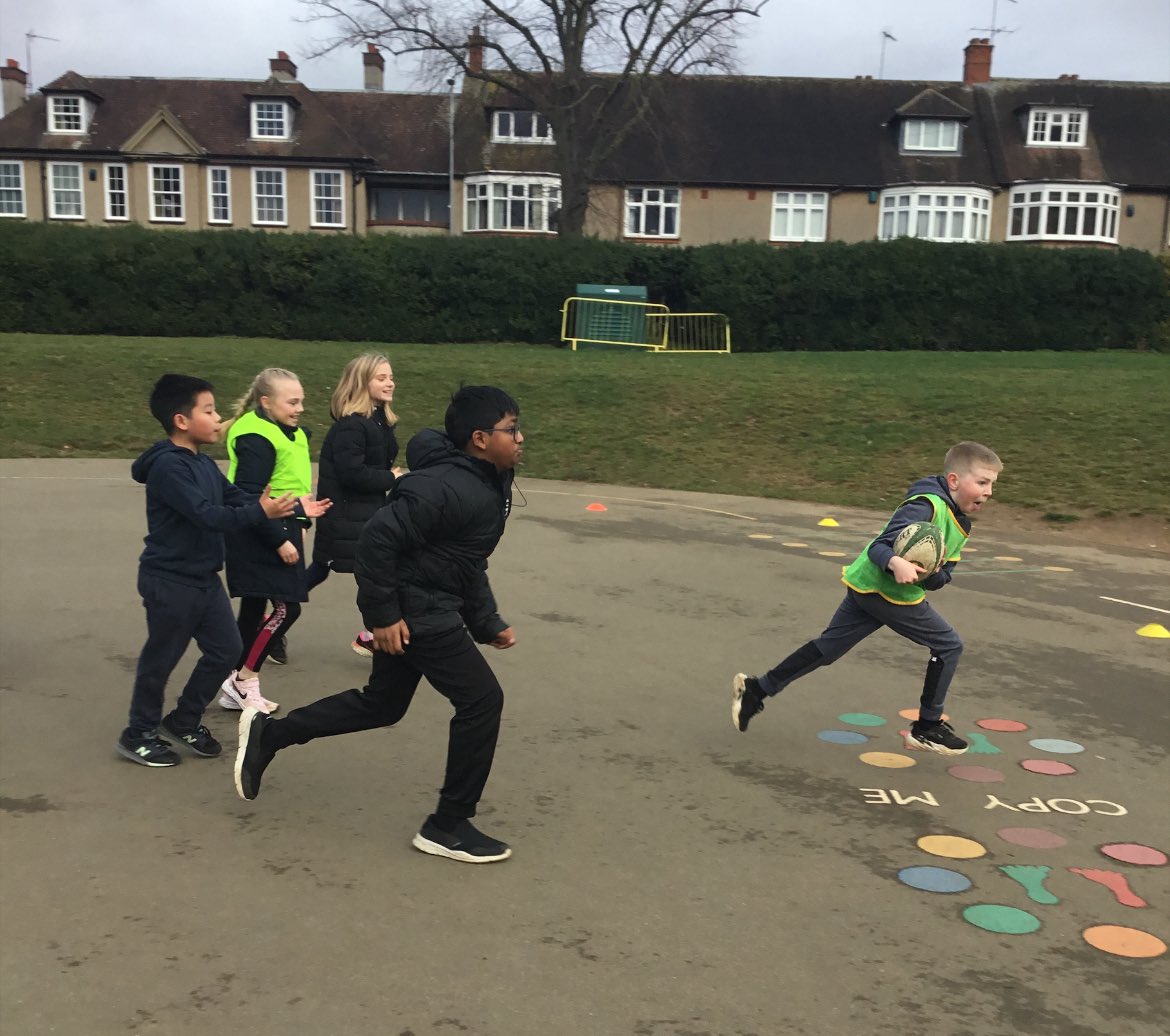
{"x": 189, "y": 506}
{"x": 882, "y": 549}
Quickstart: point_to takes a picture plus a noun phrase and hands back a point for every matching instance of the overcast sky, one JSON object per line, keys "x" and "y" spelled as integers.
{"x": 233, "y": 39}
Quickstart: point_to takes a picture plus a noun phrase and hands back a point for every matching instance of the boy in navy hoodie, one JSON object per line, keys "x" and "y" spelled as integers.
{"x": 189, "y": 506}
{"x": 886, "y": 590}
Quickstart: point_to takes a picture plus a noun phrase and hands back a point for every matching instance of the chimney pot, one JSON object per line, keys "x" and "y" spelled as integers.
{"x": 977, "y": 62}
{"x": 374, "y": 66}
{"x": 282, "y": 67}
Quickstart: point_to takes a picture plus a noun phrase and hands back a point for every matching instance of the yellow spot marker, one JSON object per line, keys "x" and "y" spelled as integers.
{"x": 759, "y": 535}
{"x": 952, "y": 847}
{"x": 793, "y": 544}
{"x": 831, "y": 553}
{"x": 1005, "y": 557}
{"x": 829, "y": 523}
{"x": 1155, "y": 630}
{"x": 1056, "y": 568}
{"x": 886, "y": 760}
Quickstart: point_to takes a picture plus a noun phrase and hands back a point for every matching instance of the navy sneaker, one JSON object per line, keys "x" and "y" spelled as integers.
{"x": 198, "y": 740}
{"x": 747, "y": 700}
{"x": 278, "y": 651}
{"x": 147, "y": 749}
{"x": 252, "y": 758}
{"x": 466, "y": 843}
{"x": 937, "y": 737}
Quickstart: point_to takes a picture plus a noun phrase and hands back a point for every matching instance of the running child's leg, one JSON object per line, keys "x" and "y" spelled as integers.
{"x": 274, "y": 626}
{"x": 316, "y": 574}
{"x": 251, "y": 618}
{"x": 218, "y": 639}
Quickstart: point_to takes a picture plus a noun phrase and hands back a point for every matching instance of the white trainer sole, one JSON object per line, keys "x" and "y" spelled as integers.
{"x": 245, "y": 730}
{"x": 738, "y": 686}
{"x": 912, "y": 744}
{"x": 435, "y": 849}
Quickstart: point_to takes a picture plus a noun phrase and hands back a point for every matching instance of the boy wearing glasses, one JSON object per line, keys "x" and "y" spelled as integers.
{"x": 421, "y": 568}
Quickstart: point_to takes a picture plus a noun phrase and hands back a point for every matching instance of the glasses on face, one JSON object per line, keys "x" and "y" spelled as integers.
{"x": 513, "y": 430}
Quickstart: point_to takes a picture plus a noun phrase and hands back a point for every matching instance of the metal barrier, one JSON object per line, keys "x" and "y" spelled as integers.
{"x": 644, "y": 325}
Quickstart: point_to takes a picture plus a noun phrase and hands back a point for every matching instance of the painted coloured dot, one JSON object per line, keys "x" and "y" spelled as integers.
{"x": 886, "y": 760}
{"x": 862, "y": 719}
{"x": 1124, "y": 942}
{"x": 1032, "y": 837}
{"x": 759, "y": 535}
{"x": 1048, "y": 767}
{"x": 1006, "y": 557}
{"x": 843, "y": 737}
{"x": 1139, "y": 855}
{"x": 794, "y": 544}
{"x": 1004, "y": 726}
{"x": 976, "y": 774}
{"x": 831, "y": 553}
{"x": 951, "y": 846}
{"x": 1056, "y": 568}
{"x": 1056, "y": 745}
{"x": 934, "y": 879}
{"x": 1004, "y": 920}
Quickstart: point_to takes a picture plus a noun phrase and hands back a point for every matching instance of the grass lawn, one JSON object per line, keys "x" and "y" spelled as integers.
{"x": 1081, "y": 434}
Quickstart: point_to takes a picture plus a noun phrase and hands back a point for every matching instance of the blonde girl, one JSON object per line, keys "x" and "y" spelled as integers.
{"x": 267, "y": 447}
{"x": 356, "y": 467}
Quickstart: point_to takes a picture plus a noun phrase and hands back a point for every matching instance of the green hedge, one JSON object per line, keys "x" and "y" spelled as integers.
{"x": 895, "y": 295}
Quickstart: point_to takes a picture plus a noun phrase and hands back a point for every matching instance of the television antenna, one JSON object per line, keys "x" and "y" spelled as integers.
{"x": 28, "y": 38}
{"x": 996, "y": 28}
{"x": 886, "y": 35}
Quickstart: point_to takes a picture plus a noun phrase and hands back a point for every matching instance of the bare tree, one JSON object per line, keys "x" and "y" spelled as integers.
{"x": 587, "y": 65}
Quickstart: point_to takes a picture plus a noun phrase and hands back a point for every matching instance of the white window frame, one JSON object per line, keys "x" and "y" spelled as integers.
{"x": 71, "y": 107}
{"x": 916, "y": 134}
{"x": 315, "y": 198}
{"x": 516, "y": 203}
{"x": 262, "y": 124}
{"x": 109, "y": 192}
{"x": 799, "y": 216}
{"x": 507, "y": 126}
{"x": 213, "y": 194}
{"x": 935, "y": 213}
{"x": 282, "y": 178}
{"x": 16, "y": 187}
{"x": 157, "y": 195}
{"x": 1061, "y": 212}
{"x": 640, "y": 201}
{"x": 79, "y": 190}
{"x": 1070, "y": 127}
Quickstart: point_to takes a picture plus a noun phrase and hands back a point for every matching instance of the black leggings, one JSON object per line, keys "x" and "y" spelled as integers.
{"x": 258, "y": 631}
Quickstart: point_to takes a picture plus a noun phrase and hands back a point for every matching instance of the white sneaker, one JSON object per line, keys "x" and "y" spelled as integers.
{"x": 241, "y": 694}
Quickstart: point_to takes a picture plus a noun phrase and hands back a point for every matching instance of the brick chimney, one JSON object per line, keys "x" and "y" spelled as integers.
{"x": 977, "y": 62}
{"x": 475, "y": 44}
{"x": 374, "y": 65}
{"x": 283, "y": 68}
{"x": 13, "y": 79}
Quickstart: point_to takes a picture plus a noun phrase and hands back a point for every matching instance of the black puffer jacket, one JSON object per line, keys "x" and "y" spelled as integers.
{"x": 423, "y": 557}
{"x": 356, "y": 458}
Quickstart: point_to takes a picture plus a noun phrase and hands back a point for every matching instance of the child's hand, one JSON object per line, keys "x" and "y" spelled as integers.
{"x": 391, "y": 639}
{"x": 288, "y": 553}
{"x": 905, "y": 571}
{"x": 314, "y": 508}
{"x": 504, "y": 639}
{"x": 396, "y": 472}
{"x": 278, "y": 506}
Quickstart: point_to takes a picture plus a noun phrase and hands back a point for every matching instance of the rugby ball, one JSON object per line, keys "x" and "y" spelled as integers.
{"x": 921, "y": 543}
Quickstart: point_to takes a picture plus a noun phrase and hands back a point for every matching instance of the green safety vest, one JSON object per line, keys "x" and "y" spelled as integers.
{"x": 293, "y": 471}
{"x": 866, "y": 578}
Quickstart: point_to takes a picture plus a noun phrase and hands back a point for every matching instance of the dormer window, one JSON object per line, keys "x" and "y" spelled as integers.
{"x": 517, "y": 127}
{"x": 930, "y": 135}
{"x": 69, "y": 114}
{"x": 1057, "y": 127}
{"x": 271, "y": 120}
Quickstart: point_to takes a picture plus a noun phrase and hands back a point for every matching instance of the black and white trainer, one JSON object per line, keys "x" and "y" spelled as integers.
{"x": 466, "y": 843}
{"x": 937, "y": 737}
{"x": 278, "y": 651}
{"x": 252, "y": 757}
{"x": 147, "y": 749}
{"x": 747, "y": 700}
{"x": 199, "y": 741}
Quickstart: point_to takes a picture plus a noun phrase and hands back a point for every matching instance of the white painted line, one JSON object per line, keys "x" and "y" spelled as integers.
{"x": 1134, "y": 604}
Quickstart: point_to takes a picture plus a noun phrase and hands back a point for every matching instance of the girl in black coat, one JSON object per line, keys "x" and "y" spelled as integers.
{"x": 356, "y": 467}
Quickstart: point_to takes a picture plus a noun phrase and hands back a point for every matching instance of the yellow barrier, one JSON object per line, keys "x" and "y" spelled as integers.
{"x": 644, "y": 325}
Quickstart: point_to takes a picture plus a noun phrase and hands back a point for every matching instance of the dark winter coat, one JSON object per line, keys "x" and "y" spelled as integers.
{"x": 423, "y": 557}
{"x": 356, "y": 458}
{"x": 254, "y": 568}
{"x": 189, "y": 507}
